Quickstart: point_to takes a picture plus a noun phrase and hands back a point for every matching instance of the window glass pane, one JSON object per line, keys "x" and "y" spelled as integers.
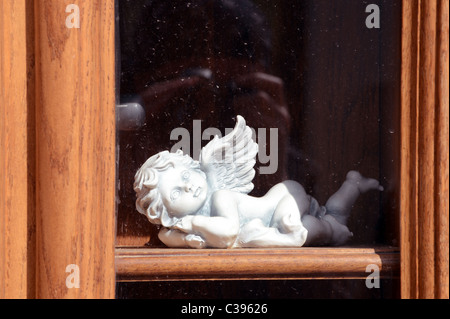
{"x": 318, "y": 80}
{"x": 313, "y": 70}
{"x": 256, "y": 289}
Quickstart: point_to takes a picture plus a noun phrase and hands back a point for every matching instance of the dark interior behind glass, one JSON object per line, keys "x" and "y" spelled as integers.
{"x": 311, "y": 69}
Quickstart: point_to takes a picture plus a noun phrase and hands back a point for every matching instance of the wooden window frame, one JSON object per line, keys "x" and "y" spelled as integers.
{"x": 424, "y": 150}
{"x": 58, "y": 132}
{"x": 57, "y": 136}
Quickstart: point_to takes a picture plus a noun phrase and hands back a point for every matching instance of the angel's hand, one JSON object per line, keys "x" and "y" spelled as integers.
{"x": 195, "y": 241}
{"x": 184, "y": 224}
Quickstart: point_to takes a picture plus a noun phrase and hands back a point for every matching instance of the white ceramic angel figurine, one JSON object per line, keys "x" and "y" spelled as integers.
{"x": 205, "y": 203}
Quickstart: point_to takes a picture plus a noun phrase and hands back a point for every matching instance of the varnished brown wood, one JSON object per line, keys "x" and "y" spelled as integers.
{"x": 16, "y": 150}
{"x": 442, "y": 153}
{"x": 424, "y": 172}
{"x": 426, "y": 147}
{"x": 76, "y": 66}
{"x": 305, "y": 263}
{"x": 408, "y": 193}
{"x": 75, "y": 149}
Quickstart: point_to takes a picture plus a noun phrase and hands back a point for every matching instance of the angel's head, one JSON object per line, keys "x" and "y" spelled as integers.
{"x": 170, "y": 186}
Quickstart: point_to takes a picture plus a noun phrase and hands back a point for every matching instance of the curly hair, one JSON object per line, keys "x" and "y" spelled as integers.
{"x": 149, "y": 200}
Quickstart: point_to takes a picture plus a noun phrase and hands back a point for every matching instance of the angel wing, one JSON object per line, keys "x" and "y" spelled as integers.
{"x": 228, "y": 161}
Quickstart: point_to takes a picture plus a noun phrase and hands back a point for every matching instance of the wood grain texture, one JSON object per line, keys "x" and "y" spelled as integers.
{"x": 75, "y": 164}
{"x": 442, "y": 153}
{"x": 408, "y": 200}
{"x": 426, "y": 146}
{"x": 305, "y": 263}
{"x": 16, "y": 151}
{"x": 75, "y": 149}
{"x": 424, "y": 171}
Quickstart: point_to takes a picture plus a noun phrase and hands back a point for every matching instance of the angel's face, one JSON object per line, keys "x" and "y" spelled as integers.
{"x": 183, "y": 190}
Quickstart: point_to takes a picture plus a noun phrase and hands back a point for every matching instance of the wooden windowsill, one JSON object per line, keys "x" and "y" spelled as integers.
{"x": 146, "y": 264}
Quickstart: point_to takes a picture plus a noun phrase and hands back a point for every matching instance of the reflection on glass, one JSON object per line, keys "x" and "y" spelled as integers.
{"x": 311, "y": 71}
{"x": 195, "y": 65}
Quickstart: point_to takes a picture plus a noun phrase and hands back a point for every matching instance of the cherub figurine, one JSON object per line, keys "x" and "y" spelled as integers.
{"x": 205, "y": 203}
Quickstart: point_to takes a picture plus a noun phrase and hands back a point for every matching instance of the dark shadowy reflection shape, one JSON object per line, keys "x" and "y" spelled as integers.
{"x": 205, "y": 60}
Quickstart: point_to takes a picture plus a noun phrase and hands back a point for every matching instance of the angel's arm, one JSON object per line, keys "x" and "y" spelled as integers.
{"x": 220, "y": 230}
{"x": 177, "y": 239}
